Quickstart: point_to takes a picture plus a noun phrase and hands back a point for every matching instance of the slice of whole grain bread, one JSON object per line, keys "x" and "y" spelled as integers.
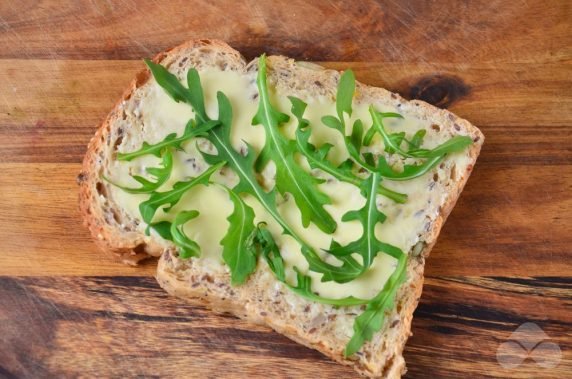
{"x": 262, "y": 299}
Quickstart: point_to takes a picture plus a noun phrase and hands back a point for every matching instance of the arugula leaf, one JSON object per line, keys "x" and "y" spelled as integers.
{"x": 236, "y": 253}
{"x": 163, "y": 228}
{"x": 290, "y": 177}
{"x": 187, "y": 247}
{"x": 317, "y": 158}
{"x": 173, "y": 231}
{"x": 334, "y": 123}
{"x": 417, "y": 139}
{"x": 346, "y": 89}
{"x": 196, "y": 96}
{"x": 242, "y": 165}
{"x": 271, "y": 253}
{"x": 369, "y": 136}
{"x": 368, "y": 246}
{"x": 170, "y": 83}
{"x": 161, "y": 174}
{"x": 456, "y": 143}
{"x": 149, "y": 207}
{"x": 397, "y": 139}
{"x": 371, "y": 320}
{"x": 191, "y": 131}
{"x": 348, "y": 271}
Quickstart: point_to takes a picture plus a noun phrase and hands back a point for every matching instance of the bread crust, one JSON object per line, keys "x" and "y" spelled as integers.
{"x": 382, "y": 357}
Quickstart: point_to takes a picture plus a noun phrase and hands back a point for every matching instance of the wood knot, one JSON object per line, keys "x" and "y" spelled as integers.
{"x": 439, "y": 90}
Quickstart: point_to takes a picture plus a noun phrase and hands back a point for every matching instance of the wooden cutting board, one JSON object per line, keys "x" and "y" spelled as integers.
{"x": 504, "y": 258}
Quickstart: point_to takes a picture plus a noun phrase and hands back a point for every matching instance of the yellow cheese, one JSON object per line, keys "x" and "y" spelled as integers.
{"x": 161, "y": 116}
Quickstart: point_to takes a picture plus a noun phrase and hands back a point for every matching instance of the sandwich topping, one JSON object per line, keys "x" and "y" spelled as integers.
{"x": 332, "y": 196}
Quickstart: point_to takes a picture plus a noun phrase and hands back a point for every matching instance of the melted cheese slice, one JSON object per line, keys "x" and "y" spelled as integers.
{"x": 162, "y": 116}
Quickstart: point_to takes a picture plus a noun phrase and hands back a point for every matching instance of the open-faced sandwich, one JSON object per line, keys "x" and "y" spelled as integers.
{"x": 286, "y": 194}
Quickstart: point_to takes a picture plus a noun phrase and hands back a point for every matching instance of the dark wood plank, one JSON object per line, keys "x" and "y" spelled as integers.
{"x": 413, "y": 31}
{"x": 127, "y": 326}
{"x": 121, "y": 326}
{"x": 50, "y": 109}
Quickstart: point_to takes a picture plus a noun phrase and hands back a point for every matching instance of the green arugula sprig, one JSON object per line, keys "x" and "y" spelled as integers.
{"x": 236, "y": 253}
{"x": 367, "y": 245}
{"x": 317, "y": 158}
{"x": 398, "y": 138}
{"x": 290, "y": 177}
{"x": 170, "y": 198}
{"x": 161, "y": 174}
{"x": 197, "y": 127}
{"x": 366, "y": 324}
{"x": 261, "y": 241}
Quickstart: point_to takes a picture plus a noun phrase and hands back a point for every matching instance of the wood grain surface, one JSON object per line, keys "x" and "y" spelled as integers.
{"x": 503, "y": 259}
